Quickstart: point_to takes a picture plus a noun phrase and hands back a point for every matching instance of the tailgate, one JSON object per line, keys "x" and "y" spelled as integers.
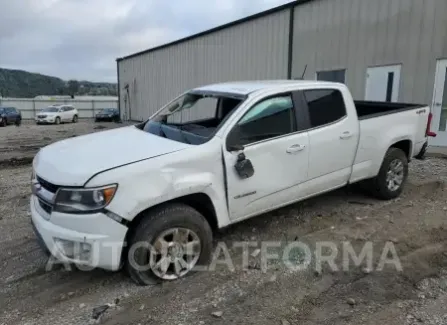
{"x": 423, "y": 114}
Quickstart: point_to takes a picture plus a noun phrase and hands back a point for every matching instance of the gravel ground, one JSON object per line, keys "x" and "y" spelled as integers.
{"x": 415, "y": 225}
{"x": 19, "y": 144}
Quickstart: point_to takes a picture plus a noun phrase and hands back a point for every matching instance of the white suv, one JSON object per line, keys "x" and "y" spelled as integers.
{"x": 57, "y": 114}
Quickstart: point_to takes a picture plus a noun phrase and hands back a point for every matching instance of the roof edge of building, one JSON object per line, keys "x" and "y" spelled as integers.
{"x": 215, "y": 29}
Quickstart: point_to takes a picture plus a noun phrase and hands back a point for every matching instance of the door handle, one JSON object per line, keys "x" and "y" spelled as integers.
{"x": 295, "y": 148}
{"x": 346, "y": 135}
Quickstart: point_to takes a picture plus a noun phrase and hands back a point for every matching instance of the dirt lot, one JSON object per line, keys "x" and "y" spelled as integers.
{"x": 415, "y": 225}
{"x": 19, "y": 144}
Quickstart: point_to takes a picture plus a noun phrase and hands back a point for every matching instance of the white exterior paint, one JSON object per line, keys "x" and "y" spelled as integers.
{"x": 377, "y": 79}
{"x": 151, "y": 170}
{"x": 439, "y": 124}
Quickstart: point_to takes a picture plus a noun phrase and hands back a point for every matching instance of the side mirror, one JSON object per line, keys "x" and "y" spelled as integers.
{"x": 244, "y": 167}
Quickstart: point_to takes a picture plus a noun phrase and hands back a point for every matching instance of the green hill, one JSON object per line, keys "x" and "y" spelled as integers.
{"x": 23, "y": 84}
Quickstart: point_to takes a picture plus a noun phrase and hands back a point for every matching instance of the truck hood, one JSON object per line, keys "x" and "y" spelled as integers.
{"x": 74, "y": 161}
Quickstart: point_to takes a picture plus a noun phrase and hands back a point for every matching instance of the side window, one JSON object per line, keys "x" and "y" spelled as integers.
{"x": 267, "y": 119}
{"x": 325, "y": 106}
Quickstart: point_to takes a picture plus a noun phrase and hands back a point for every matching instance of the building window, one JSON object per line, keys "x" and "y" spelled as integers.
{"x": 332, "y": 75}
{"x": 325, "y": 106}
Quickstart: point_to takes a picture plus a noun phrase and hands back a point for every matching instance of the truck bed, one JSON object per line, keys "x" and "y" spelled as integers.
{"x": 371, "y": 109}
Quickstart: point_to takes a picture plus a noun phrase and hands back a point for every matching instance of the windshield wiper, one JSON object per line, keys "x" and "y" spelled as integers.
{"x": 182, "y": 134}
{"x": 179, "y": 127}
{"x": 163, "y": 134}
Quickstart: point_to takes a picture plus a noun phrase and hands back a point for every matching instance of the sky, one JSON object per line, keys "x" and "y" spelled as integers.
{"x": 81, "y": 39}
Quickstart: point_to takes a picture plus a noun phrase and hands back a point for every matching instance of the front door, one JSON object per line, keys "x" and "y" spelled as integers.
{"x": 11, "y": 114}
{"x": 439, "y": 122}
{"x": 278, "y": 153}
{"x": 382, "y": 83}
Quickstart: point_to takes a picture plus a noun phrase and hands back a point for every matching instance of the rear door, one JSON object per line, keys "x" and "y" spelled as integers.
{"x": 278, "y": 151}
{"x": 333, "y": 138}
{"x": 66, "y": 113}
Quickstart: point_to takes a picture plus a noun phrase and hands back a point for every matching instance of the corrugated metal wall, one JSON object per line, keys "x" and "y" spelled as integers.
{"x": 256, "y": 49}
{"x": 356, "y": 34}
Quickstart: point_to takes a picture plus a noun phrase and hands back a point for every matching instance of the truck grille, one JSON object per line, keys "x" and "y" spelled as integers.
{"x": 47, "y": 185}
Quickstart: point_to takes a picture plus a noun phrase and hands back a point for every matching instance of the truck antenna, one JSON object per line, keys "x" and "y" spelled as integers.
{"x": 302, "y": 76}
{"x": 304, "y": 72}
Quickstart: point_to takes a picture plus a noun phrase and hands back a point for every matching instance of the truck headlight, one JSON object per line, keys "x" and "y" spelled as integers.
{"x": 84, "y": 200}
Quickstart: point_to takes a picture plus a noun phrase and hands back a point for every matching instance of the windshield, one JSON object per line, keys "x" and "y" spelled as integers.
{"x": 192, "y": 118}
{"x": 107, "y": 111}
{"x": 50, "y": 109}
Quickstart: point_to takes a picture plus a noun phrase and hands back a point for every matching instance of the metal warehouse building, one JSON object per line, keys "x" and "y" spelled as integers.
{"x": 387, "y": 50}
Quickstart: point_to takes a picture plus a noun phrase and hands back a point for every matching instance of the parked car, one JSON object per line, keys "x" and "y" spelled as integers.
{"x": 108, "y": 114}
{"x": 57, "y": 114}
{"x": 214, "y": 156}
{"x": 10, "y": 115}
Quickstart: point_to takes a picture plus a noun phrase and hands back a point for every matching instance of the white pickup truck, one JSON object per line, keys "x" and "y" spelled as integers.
{"x": 212, "y": 157}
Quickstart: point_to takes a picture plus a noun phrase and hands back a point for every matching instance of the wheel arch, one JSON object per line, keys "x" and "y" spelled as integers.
{"x": 404, "y": 145}
{"x": 198, "y": 201}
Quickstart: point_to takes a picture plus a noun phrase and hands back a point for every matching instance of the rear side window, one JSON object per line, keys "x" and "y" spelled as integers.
{"x": 325, "y": 106}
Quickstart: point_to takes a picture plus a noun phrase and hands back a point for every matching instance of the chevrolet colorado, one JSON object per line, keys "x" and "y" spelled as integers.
{"x": 147, "y": 197}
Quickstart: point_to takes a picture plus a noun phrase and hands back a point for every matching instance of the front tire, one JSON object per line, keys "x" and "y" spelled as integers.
{"x": 180, "y": 239}
{"x": 57, "y": 121}
{"x": 393, "y": 174}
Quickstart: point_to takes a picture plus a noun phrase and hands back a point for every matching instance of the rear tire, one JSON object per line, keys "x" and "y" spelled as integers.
{"x": 18, "y": 122}
{"x": 152, "y": 227}
{"x": 393, "y": 174}
{"x": 57, "y": 121}
{"x": 75, "y": 119}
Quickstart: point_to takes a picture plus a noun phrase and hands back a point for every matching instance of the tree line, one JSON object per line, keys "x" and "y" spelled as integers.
{"x": 23, "y": 84}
